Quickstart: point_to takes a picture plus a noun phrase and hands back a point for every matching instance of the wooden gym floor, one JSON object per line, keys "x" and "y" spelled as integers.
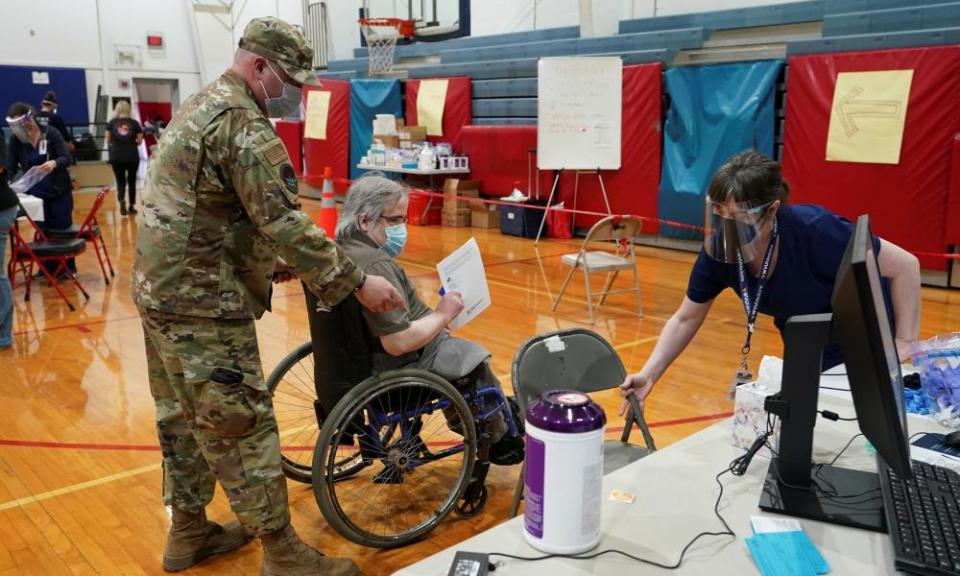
{"x": 79, "y": 464}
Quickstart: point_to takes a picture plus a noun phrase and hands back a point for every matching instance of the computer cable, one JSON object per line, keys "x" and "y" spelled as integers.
{"x": 833, "y": 416}
{"x": 716, "y": 510}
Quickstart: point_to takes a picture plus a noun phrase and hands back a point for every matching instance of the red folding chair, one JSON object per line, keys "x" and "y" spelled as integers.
{"x": 89, "y": 231}
{"x": 39, "y": 252}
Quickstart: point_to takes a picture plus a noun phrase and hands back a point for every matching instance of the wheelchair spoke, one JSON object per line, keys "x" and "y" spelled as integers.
{"x": 407, "y": 487}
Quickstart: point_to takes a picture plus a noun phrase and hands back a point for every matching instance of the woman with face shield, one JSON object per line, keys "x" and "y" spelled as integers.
{"x": 372, "y": 232}
{"x": 781, "y": 260}
{"x": 32, "y": 146}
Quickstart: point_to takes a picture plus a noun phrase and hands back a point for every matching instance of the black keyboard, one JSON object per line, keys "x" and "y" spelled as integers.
{"x": 923, "y": 517}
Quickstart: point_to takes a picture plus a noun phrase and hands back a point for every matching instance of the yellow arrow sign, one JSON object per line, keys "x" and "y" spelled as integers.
{"x": 850, "y": 106}
{"x": 868, "y": 115}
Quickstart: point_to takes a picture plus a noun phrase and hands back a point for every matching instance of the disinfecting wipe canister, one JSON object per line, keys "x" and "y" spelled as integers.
{"x": 564, "y": 472}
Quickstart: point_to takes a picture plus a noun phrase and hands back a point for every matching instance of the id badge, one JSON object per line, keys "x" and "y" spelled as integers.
{"x": 42, "y": 149}
{"x": 739, "y": 379}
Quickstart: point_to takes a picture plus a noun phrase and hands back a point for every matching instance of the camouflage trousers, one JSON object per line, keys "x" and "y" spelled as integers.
{"x": 215, "y": 418}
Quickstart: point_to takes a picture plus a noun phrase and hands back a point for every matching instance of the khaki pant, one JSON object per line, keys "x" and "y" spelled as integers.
{"x": 215, "y": 418}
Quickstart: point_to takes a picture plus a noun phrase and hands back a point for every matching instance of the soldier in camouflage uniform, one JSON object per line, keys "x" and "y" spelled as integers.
{"x": 219, "y": 207}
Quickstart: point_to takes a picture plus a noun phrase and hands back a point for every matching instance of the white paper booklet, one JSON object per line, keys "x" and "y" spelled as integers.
{"x": 462, "y": 271}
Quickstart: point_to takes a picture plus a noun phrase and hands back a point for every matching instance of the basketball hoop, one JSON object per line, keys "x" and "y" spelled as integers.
{"x": 381, "y": 35}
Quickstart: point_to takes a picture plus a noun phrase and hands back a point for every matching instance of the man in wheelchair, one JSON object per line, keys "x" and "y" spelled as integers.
{"x": 372, "y": 232}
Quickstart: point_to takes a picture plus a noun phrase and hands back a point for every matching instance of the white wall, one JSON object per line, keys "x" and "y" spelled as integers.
{"x": 245, "y": 11}
{"x": 502, "y": 16}
{"x": 65, "y": 33}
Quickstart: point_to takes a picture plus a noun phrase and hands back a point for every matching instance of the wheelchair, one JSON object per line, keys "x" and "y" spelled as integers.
{"x": 388, "y": 455}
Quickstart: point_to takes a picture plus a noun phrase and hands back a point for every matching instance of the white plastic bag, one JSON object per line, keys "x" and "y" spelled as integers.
{"x": 29, "y": 179}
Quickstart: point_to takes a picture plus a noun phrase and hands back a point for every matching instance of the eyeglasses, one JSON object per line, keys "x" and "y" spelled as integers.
{"x": 394, "y": 220}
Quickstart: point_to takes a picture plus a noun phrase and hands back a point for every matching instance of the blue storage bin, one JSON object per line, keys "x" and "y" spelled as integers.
{"x": 522, "y": 220}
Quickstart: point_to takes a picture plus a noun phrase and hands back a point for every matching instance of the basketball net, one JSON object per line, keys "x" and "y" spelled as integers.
{"x": 381, "y": 37}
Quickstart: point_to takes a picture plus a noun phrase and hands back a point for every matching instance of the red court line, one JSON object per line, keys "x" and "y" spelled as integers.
{"x": 79, "y": 445}
{"x": 154, "y": 448}
{"x": 679, "y": 421}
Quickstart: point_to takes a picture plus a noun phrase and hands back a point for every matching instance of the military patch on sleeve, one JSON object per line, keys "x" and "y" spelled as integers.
{"x": 289, "y": 178}
{"x": 276, "y": 154}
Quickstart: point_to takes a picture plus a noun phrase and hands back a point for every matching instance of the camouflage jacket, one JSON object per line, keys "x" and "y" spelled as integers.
{"x": 220, "y": 204}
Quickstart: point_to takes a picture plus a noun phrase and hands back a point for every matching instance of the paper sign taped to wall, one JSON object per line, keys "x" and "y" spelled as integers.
{"x": 868, "y": 115}
{"x": 430, "y": 102}
{"x": 318, "y": 107}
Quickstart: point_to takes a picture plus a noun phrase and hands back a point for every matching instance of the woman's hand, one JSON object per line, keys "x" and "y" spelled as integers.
{"x": 48, "y": 166}
{"x": 637, "y": 385}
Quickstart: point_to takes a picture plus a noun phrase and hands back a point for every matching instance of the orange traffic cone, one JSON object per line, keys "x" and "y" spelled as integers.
{"x": 327, "y": 219}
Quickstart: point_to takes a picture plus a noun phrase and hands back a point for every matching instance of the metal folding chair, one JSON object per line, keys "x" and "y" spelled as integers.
{"x": 577, "y": 359}
{"x": 39, "y": 252}
{"x": 618, "y": 230}
{"x": 89, "y": 231}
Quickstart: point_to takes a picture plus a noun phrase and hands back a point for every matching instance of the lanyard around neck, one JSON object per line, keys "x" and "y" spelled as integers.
{"x": 753, "y": 308}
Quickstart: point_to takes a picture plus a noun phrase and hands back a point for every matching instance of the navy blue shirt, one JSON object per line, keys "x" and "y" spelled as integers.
{"x": 812, "y": 243}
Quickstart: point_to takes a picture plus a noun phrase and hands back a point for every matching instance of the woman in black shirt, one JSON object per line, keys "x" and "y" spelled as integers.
{"x": 124, "y": 136}
{"x": 31, "y": 146}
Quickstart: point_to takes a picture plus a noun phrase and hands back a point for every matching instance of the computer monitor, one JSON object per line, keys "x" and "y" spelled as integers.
{"x": 861, "y": 325}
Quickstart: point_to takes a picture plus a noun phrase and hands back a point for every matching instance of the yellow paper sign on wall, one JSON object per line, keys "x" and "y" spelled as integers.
{"x": 867, "y": 117}
{"x": 430, "y": 102}
{"x": 318, "y": 108}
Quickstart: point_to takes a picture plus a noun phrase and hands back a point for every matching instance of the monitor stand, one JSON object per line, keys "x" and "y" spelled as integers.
{"x": 794, "y": 486}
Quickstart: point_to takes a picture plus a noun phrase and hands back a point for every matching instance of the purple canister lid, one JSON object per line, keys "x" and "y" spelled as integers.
{"x": 566, "y": 411}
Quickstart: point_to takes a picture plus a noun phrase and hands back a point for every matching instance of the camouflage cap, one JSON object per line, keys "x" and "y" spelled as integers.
{"x": 283, "y": 44}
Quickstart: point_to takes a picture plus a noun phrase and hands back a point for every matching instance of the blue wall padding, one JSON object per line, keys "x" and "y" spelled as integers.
{"x": 715, "y": 112}
{"x": 70, "y": 84}
{"x": 367, "y": 99}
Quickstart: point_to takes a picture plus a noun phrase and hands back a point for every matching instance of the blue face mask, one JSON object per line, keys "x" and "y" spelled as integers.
{"x": 396, "y": 239}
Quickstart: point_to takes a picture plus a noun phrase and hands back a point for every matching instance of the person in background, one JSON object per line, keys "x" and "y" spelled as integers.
{"x": 30, "y": 146}
{"x": 9, "y": 206}
{"x": 47, "y": 117}
{"x": 372, "y": 231}
{"x": 782, "y": 259}
{"x": 123, "y": 139}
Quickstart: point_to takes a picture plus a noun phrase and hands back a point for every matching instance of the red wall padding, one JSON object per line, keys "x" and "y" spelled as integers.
{"x": 291, "y": 134}
{"x": 633, "y": 188}
{"x": 499, "y": 157}
{"x": 335, "y": 150}
{"x": 952, "y": 235}
{"x": 457, "y": 112}
{"x": 907, "y": 202}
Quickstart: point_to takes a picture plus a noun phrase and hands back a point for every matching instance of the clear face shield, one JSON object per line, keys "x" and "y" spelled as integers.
{"x": 732, "y": 227}
{"x": 20, "y": 127}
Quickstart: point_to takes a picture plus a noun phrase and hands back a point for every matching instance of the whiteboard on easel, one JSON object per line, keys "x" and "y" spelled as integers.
{"x": 579, "y": 102}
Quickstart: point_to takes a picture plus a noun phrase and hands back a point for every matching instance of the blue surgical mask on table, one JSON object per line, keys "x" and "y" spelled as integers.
{"x": 287, "y": 104}
{"x": 396, "y": 239}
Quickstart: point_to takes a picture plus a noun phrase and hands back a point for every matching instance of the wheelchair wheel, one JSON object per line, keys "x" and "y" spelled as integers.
{"x": 416, "y": 467}
{"x": 292, "y": 386}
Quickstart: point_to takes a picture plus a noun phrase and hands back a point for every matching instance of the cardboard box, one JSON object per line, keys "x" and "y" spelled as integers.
{"x": 389, "y": 140}
{"x": 453, "y": 187}
{"x": 456, "y": 218}
{"x": 485, "y": 218}
{"x": 481, "y": 206}
{"x": 412, "y": 134}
